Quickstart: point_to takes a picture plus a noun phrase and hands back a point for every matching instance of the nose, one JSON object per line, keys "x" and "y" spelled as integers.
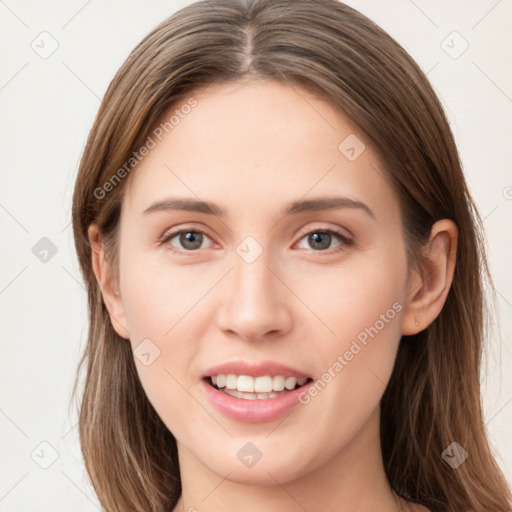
{"x": 255, "y": 303}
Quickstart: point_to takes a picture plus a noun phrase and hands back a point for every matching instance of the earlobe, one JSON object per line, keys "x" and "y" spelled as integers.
{"x": 430, "y": 285}
{"x": 108, "y": 287}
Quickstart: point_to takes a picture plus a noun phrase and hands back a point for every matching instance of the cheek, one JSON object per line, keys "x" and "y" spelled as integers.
{"x": 361, "y": 304}
{"x": 161, "y": 303}
{"x": 353, "y": 298}
{"x": 157, "y": 295}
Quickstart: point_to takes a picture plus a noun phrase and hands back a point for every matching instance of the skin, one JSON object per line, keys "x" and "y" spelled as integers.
{"x": 253, "y": 147}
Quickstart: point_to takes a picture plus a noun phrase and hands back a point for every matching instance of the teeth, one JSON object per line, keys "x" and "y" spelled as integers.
{"x": 278, "y": 383}
{"x": 250, "y": 396}
{"x": 245, "y": 383}
{"x": 290, "y": 383}
{"x": 231, "y": 381}
{"x": 263, "y": 385}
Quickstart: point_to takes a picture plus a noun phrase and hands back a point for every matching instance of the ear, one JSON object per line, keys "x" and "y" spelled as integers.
{"x": 109, "y": 291}
{"x": 428, "y": 287}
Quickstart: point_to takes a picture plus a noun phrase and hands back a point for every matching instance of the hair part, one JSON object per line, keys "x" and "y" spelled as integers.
{"x": 433, "y": 397}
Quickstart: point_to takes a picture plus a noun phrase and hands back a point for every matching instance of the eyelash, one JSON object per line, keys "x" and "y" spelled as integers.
{"x": 345, "y": 241}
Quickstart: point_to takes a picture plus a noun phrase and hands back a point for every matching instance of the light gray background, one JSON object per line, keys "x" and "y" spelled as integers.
{"x": 47, "y": 108}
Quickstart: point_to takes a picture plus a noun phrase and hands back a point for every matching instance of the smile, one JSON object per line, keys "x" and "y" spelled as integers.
{"x": 254, "y": 392}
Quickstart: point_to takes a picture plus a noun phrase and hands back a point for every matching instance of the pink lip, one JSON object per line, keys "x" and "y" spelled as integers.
{"x": 252, "y": 411}
{"x": 255, "y": 370}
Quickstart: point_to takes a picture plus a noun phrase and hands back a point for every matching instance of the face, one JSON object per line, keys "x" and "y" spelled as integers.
{"x": 263, "y": 292}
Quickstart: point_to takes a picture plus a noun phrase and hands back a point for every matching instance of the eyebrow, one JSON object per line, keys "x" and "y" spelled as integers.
{"x": 300, "y": 206}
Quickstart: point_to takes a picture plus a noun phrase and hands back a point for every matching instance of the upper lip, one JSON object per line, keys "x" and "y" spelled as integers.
{"x": 254, "y": 369}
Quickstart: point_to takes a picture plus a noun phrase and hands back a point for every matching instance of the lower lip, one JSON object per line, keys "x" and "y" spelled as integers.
{"x": 253, "y": 411}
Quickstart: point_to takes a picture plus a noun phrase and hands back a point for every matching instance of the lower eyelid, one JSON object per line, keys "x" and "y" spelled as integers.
{"x": 345, "y": 241}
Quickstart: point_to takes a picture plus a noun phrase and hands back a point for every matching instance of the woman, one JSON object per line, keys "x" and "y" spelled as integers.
{"x": 284, "y": 265}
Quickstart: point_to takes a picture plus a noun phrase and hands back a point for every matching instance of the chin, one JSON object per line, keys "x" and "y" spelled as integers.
{"x": 259, "y": 462}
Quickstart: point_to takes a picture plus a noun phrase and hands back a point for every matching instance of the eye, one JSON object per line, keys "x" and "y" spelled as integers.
{"x": 321, "y": 239}
{"x": 190, "y": 239}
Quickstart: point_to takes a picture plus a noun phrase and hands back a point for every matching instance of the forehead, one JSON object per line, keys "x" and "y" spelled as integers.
{"x": 255, "y": 143}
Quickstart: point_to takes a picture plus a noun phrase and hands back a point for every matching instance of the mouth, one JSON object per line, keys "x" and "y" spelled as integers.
{"x": 262, "y": 387}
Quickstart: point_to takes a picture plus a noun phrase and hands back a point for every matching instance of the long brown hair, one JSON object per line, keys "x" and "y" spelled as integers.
{"x": 433, "y": 397}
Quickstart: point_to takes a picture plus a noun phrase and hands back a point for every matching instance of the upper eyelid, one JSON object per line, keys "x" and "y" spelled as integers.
{"x": 172, "y": 232}
{"x": 337, "y": 231}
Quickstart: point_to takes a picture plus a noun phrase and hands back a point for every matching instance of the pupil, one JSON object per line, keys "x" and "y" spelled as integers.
{"x": 191, "y": 238}
{"x": 317, "y": 237}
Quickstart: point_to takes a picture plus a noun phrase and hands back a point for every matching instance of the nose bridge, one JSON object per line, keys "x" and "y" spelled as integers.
{"x": 253, "y": 280}
{"x": 254, "y": 304}
{"x": 252, "y": 276}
